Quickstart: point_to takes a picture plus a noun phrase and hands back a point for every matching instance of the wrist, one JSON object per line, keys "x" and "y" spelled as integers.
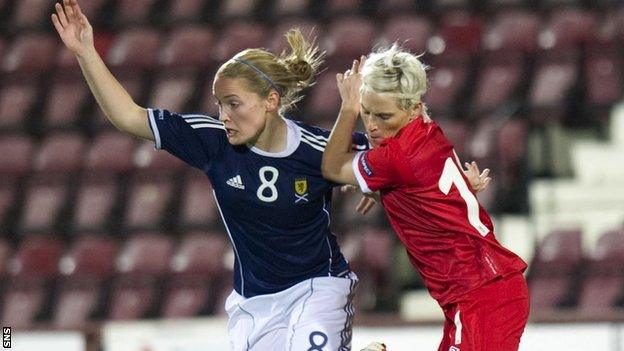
{"x": 87, "y": 53}
{"x": 349, "y": 109}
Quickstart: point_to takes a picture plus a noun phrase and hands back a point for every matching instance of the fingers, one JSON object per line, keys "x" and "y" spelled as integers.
{"x": 347, "y": 188}
{"x": 61, "y": 14}
{"x": 355, "y": 67}
{"x": 339, "y": 77}
{"x": 473, "y": 167}
{"x": 57, "y": 23}
{"x": 361, "y": 65}
{"x": 365, "y": 205}
{"x": 485, "y": 173}
{"x": 69, "y": 12}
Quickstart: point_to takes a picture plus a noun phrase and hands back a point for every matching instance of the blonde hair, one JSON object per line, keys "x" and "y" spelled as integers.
{"x": 397, "y": 73}
{"x": 288, "y": 74}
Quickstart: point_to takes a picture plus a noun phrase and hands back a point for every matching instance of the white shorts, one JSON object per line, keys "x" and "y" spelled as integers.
{"x": 314, "y": 315}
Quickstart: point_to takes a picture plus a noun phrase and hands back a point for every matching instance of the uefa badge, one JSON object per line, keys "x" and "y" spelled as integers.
{"x": 301, "y": 190}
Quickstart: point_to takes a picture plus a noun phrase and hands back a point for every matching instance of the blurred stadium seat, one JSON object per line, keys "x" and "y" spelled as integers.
{"x": 143, "y": 259}
{"x": 555, "y": 266}
{"x": 31, "y": 272}
{"x": 84, "y": 269}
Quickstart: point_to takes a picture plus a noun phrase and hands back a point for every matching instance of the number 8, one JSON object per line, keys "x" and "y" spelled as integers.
{"x": 268, "y": 184}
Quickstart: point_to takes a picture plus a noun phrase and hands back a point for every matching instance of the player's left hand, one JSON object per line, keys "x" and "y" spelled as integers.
{"x": 349, "y": 85}
{"x": 367, "y": 201}
{"x": 478, "y": 181}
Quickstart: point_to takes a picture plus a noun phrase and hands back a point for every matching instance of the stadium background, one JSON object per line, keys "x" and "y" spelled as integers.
{"x": 98, "y": 228}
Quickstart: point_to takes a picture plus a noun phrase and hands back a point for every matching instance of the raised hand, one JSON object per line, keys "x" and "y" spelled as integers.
{"x": 73, "y": 27}
{"x": 349, "y": 85}
{"x": 478, "y": 181}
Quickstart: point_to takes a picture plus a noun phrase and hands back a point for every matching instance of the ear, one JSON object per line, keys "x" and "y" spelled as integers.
{"x": 416, "y": 111}
{"x": 272, "y": 101}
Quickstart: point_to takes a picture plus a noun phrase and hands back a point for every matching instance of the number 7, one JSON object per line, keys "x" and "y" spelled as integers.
{"x": 451, "y": 175}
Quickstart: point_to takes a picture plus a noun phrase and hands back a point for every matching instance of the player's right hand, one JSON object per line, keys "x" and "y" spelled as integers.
{"x": 73, "y": 27}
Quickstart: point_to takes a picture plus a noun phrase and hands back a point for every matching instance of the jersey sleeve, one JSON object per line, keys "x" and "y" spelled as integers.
{"x": 195, "y": 139}
{"x": 377, "y": 168}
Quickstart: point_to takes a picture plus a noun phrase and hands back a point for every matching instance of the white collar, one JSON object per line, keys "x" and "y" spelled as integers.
{"x": 293, "y": 137}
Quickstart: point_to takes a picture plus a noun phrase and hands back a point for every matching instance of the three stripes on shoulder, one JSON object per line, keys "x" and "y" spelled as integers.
{"x": 202, "y": 121}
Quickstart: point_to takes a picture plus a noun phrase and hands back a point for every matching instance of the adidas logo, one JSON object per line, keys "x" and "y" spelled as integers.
{"x": 236, "y": 182}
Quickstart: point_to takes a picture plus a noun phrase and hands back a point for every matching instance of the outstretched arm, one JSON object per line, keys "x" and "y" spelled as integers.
{"x": 77, "y": 34}
{"x": 338, "y": 157}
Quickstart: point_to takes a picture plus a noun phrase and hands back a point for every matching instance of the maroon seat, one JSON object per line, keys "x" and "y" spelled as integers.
{"x": 324, "y": 99}
{"x": 512, "y": 31}
{"x": 111, "y": 152}
{"x": 237, "y": 37}
{"x": 44, "y": 202}
{"x": 603, "y": 283}
{"x": 95, "y": 203}
{"x": 31, "y": 269}
{"x": 30, "y": 53}
{"x": 290, "y": 7}
{"x": 445, "y": 82}
{"x": 16, "y": 102}
{"x": 551, "y": 86}
{"x": 198, "y": 208}
{"x": 603, "y": 76}
{"x": 340, "y": 7}
{"x": 137, "y": 48}
{"x": 180, "y": 47}
{"x": 148, "y": 201}
{"x": 6, "y": 250}
{"x": 370, "y": 254}
{"x": 457, "y": 132}
{"x": 348, "y": 38}
{"x": 30, "y": 13}
{"x": 186, "y": 10}
{"x": 553, "y": 269}
{"x": 16, "y": 157}
{"x": 143, "y": 258}
{"x": 173, "y": 90}
{"x": 61, "y": 153}
{"x": 458, "y": 36}
{"x": 496, "y": 85}
{"x": 396, "y": 6}
{"x": 92, "y": 8}
{"x": 197, "y": 266}
{"x": 567, "y": 28}
{"x": 134, "y": 11}
{"x": 410, "y": 31}
{"x": 65, "y": 99}
{"x": 209, "y": 102}
{"x": 238, "y": 8}
{"x": 7, "y": 197}
{"x": 88, "y": 262}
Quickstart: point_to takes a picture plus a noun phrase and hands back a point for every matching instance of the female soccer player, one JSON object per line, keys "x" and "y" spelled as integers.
{"x": 293, "y": 288}
{"x": 449, "y": 237}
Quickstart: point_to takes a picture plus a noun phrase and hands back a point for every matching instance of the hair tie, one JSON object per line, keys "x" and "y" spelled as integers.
{"x": 260, "y": 73}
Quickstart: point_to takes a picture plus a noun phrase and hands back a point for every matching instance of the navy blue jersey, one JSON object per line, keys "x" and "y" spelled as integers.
{"x": 275, "y": 206}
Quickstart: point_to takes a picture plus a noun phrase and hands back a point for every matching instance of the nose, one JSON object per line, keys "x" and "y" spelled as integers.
{"x": 369, "y": 124}
{"x": 223, "y": 115}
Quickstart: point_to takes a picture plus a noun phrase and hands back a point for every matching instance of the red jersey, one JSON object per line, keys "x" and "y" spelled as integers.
{"x": 448, "y": 235}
